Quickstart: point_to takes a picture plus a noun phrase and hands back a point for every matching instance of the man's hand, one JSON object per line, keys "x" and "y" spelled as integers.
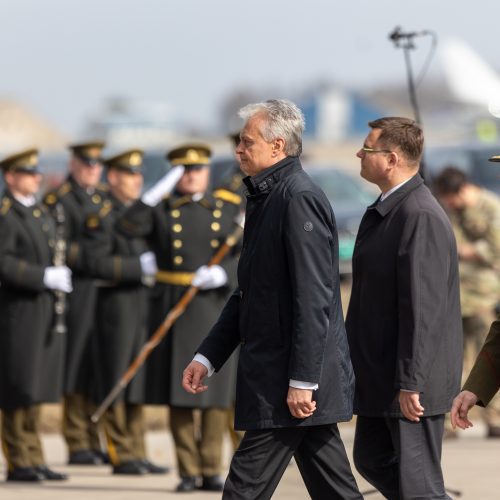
{"x": 300, "y": 402}
{"x": 409, "y": 402}
{"x": 193, "y": 376}
{"x": 460, "y": 408}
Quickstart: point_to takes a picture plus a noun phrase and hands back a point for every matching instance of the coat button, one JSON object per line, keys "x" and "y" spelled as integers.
{"x": 177, "y": 243}
{"x": 178, "y": 260}
{"x": 177, "y": 228}
{"x": 241, "y": 294}
{"x": 176, "y": 214}
{"x": 215, "y": 226}
{"x": 214, "y": 243}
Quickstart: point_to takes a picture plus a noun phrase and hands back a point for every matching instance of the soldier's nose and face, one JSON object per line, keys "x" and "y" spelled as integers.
{"x": 254, "y": 152}
{"x": 126, "y": 186}
{"x": 86, "y": 173}
{"x": 195, "y": 180}
{"x": 24, "y": 183}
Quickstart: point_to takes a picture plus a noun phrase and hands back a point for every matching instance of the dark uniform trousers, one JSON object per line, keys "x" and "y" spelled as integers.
{"x": 123, "y": 425}
{"x": 20, "y": 439}
{"x": 199, "y": 451}
{"x": 79, "y": 431}
{"x": 402, "y": 459}
{"x": 263, "y": 456}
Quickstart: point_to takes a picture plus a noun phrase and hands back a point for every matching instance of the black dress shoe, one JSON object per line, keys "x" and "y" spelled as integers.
{"x": 188, "y": 483}
{"x": 102, "y": 455}
{"x": 132, "y": 468}
{"x": 212, "y": 483}
{"x": 85, "y": 457}
{"x": 154, "y": 469}
{"x": 493, "y": 431}
{"x": 29, "y": 474}
{"x": 50, "y": 475}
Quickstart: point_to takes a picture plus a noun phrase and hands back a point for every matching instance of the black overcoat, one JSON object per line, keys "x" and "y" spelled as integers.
{"x": 121, "y": 310}
{"x": 31, "y": 355}
{"x": 404, "y": 322}
{"x": 286, "y": 313}
{"x": 184, "y": 234}
{"x": 80, "y": 314}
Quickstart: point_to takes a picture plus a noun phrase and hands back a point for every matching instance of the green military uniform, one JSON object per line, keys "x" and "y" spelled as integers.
{"x": 479, "y": 226}
{"x": 31, "y": 352}
{"x": 121, "y": 323}
{"x": 484, "y": 379}
{"x": 79, "y": 432}
{"x": 184, "y": 232}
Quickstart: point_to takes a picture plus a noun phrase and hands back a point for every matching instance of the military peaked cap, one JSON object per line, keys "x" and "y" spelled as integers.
{"x": 25, "y": 161}
{"x": 130, "y": 160}
{"x": 190, "y": 154}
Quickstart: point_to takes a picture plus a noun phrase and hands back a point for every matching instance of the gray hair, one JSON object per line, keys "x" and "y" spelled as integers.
{"x": 283, "y": 120}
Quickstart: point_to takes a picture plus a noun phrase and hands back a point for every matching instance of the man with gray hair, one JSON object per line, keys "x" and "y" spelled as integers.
{"x": 295, "y": 379}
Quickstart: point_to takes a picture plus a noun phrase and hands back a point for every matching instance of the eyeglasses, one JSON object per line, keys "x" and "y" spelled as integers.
{"x": 371, "y": 150}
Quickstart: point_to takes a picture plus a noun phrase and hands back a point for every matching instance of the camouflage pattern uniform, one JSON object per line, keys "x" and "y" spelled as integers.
{"x": 479, "y": 226}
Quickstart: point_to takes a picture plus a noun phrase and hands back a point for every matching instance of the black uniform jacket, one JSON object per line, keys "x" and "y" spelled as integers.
{"x": 121, "y": 311}
{"x": 31, "y": 355}
{"x": 286, "y": 313}
{"x": 78, "y": 204}
{"x": 404, "y": 322}
{"x": 184, "y": 235}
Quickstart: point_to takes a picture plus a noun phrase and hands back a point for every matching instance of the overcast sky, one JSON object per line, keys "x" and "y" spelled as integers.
{"x": 63, "y": 57}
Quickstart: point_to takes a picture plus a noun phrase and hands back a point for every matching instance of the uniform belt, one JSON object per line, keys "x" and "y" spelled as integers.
{"x": 174, "y": 278}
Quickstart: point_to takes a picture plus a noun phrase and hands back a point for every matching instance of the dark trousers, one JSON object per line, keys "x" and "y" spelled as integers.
{"x": 263, "y": 455}
{"x": 402, "y": 459}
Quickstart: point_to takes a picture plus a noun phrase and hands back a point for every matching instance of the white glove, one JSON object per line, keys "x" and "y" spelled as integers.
{"x": 207, "y": 278}
{"x": 163, "y": 187}
{"x": 148, "y": 263}
{"x": 58, "y": 278}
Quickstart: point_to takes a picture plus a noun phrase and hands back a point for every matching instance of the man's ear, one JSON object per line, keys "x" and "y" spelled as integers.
{"x": 278, "y": 146}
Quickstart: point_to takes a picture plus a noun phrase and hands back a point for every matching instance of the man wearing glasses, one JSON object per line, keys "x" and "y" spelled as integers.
{"x": 403, "y": 322}
{"x": 80, "y": 196}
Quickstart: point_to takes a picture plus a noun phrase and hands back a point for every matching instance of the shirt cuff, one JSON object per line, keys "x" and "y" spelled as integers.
{"x": 205, "y": 362}
{"x": 298, "y": 384}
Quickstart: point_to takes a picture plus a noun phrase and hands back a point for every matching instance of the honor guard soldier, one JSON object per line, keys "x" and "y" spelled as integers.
{"x": 184, "y": 230}
{"x": 121, "y": 267}
{"x": 80, "y": 196}
{"x": 31, "y": 352}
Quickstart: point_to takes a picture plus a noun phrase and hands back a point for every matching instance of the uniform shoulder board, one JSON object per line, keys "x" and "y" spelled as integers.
{"x": 225, "y": 195}
{"x": 6, "y": 204}
{"x": 105, "y": 209}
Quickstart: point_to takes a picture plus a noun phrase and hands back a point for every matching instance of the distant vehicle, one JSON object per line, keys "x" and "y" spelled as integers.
{"x": 349, "y": 198}
{"x": 472, "y": 160}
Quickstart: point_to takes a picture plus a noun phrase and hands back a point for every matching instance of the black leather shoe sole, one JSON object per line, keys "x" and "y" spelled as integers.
{"x": 84, "y": 457}
{"x": 25, "y": 474}
{"x": 186, "y": 485}
{"x": 154, "y": 469}
{"x": 51, "y": 475}
{"x": 132, "y": 468}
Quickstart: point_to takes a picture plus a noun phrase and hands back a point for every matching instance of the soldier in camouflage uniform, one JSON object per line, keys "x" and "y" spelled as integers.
{"x": 475, "y": 217}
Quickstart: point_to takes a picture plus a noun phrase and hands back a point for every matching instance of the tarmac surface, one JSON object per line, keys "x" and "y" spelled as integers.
{"x": 471, "y": 465}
